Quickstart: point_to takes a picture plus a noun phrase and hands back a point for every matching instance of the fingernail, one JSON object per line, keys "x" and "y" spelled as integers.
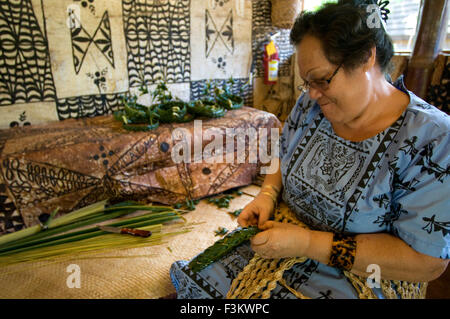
{"x": 260, "y": 238}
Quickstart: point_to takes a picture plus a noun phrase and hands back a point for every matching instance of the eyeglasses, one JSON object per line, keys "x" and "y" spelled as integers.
{"x": 322, "y": 85}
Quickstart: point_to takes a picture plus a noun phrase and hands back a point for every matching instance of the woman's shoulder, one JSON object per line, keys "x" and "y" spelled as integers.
{"x": 422, "y": 140}
{"x": 424, "y": 120}
{"x": 421, "y": 119}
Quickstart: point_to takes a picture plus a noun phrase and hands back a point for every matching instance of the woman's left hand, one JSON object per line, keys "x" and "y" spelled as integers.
{"x": 280, "y": 240}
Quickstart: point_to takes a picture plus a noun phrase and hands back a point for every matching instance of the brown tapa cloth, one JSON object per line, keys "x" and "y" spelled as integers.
{"x": 77, "y": 162}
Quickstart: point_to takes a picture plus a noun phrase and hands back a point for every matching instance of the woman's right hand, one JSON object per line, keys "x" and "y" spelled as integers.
{"x": 257, "y": 212}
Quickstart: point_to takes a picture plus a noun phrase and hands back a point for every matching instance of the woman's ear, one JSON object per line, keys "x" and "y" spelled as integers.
{"x": 372, "y": 60}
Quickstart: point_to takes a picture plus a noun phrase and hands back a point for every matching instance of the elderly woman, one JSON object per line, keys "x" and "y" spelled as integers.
{"x": 364, "y": 164}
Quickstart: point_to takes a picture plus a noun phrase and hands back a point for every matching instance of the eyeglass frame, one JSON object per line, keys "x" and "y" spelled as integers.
{"x": 306, "y": 85}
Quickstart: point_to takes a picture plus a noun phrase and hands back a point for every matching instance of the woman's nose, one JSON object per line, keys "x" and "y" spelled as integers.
{"x": 315, "y": 94}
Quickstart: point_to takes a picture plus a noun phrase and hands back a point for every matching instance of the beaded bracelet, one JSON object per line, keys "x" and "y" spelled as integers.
{"x": 343, "y": 252}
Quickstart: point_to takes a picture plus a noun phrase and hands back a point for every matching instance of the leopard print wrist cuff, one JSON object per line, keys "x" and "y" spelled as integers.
{"x": 343, "y": 251}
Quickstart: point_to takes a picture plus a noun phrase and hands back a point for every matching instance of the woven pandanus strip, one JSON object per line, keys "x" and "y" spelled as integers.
{"x": 260, "y": 277}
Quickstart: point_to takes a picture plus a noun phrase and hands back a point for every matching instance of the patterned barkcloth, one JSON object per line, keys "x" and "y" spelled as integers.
{"x": 74, "y": 163}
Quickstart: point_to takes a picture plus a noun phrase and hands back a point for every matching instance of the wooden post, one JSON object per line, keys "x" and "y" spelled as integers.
{"x": 432, "y": 24}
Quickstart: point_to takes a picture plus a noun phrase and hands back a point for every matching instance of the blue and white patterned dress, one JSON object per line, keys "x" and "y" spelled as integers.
{"x": 396, "y": 182}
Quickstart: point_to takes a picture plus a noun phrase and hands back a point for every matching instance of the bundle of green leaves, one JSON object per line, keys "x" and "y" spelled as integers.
{"x": 168, "y": 109}
{"x": 74, "y": 232}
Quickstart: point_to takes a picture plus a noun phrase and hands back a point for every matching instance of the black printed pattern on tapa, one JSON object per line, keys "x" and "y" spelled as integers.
{"x": 32, "y": 183}
{"x": 25, "y": 73}
{"x": 197, "y": 88}
{"x": 158, "y": 41}
{"x": 88, "y": 105}
{"x": 82, "y": 40}
{"x": 10, "y": 218}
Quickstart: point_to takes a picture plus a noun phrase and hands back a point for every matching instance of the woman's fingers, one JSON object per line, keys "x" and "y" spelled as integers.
{"x": 243, "y": 216}
{"x": 266, "y": 225}
{"x": 263, "y": 216}
{"x": 247, "y": 217}
{"x": 256, "y": 213}
{"x": 260, "y": 239}
{"x": 243, "y": 219}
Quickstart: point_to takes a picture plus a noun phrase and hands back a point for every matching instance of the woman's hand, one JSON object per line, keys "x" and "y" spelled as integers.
{"x": 257, "y": 212}
{"x": 281, "y": 240}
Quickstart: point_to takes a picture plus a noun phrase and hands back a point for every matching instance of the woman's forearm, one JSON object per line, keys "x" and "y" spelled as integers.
{"x": 397, "y": 261}
{"x": 274, "y": 180}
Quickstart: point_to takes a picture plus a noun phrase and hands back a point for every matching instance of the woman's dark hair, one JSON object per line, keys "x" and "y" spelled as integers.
{"x": 346, "y": 34}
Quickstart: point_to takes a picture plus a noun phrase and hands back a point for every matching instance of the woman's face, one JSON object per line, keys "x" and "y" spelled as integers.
{"x": 347, "y": 94}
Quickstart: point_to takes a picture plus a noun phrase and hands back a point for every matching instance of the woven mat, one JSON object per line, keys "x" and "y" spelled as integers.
{"x": 143, "y": 274}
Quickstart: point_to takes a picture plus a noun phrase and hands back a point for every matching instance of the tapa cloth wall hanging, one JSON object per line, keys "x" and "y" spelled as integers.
{"x": 75, "y": 58}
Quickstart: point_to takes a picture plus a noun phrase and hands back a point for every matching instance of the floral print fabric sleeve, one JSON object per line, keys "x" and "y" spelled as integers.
{"x": 421, "y": 196}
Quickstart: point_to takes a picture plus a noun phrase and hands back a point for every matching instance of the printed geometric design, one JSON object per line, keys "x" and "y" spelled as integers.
{"x": 296, "y": 276}
{"x": 10, "y": 219}
{"x": 99, "y": 79}
{"x": 22, "y": 120}
{"x": 261, "y": 14}
{"x": 157, "y": 39}
{"x": 127, "y": 160}
{"x": 311, "y": 130}
{"x": 25, "y": 74}
{"x": 330, "y": 162}
{"x": 221, "y": 43}
{"x": 201, "y": 282}
{"x": 387, "y": 220}
{"x": 87, "y": 4}
{"x": 213, "y": 33}
{"x": 430, "y": 167}
{"x": 224, "y": 175}
{"x": 261, "y": 28}
{"x": 185, "y": 177}
{"x": 83, "y": 44}
{"x": 437, "y": 226}
{"x": 317, "y": 166}
{"x": 25, "y": 114}
{"x": 82, "y": 40}
{"x": 88, "y": 106}
{"x": 32, "y": 183}
{"x": 234, "y": 262}
{"x": 370, "y": 169}
{"x": 197, "y": 88}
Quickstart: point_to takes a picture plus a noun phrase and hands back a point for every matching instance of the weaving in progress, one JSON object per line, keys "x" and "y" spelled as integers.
{"x": 235, "y": 150}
